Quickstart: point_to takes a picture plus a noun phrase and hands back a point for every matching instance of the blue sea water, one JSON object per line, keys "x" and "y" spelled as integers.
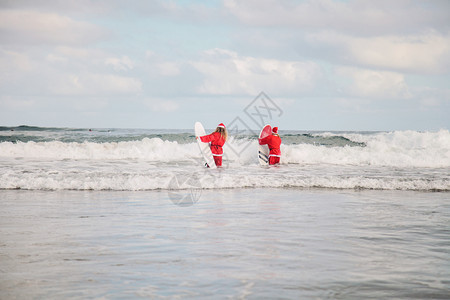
{"x": 133, "y": 214}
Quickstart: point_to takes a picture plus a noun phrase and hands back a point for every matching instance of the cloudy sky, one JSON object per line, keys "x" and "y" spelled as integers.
{"x": 329, "y": 65}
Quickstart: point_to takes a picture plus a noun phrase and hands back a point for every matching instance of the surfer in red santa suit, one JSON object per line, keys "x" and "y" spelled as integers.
{"x": 274, "y": 142}
{"x": 217, "y": 140}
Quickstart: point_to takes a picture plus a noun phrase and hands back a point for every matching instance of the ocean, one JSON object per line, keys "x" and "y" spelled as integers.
{"x": 34, "y": 158}
{"x": 133, "y": 213}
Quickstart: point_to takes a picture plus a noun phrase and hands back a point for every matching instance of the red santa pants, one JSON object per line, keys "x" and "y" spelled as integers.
{"x": 274, "y": 160}
{"x": 218, "y": 160}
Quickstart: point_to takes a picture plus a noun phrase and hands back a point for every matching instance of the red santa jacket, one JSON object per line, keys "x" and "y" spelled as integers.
{"x": 216, "y": 141}
{"x": 274, "y": 142}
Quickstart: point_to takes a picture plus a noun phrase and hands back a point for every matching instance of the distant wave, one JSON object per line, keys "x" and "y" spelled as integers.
{"x": 29, "y": 128}
{"x": 321, "y": 139}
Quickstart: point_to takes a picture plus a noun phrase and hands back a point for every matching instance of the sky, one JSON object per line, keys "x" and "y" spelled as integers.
{"x": 325, "y": 64}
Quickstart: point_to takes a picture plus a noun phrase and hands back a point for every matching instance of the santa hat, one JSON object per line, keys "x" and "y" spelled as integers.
{"x": 275, "y": 130}
{"x": 221, "y": 125}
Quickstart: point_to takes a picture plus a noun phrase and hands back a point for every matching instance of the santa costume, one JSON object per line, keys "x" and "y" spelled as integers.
{"x": 216, "y": 141}
{"x": 274, "y": 142}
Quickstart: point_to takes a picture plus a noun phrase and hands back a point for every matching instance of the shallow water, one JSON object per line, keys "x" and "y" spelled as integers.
{"x": 239, "y": 243}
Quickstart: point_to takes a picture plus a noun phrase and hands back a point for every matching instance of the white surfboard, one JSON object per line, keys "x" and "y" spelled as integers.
{"x": 204, "y": 147}
{"x": 263, "y": 150}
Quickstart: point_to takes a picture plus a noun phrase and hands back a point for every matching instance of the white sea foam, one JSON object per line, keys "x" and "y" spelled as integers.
{"x": 402, "y": 149}
{"x": 153, "y": 149}
{"x": 404, "y": 160}
{"x": 395, "y": 149}
{"x": 136, "y": 177}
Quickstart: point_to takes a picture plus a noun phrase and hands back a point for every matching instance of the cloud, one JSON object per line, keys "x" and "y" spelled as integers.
{"x": 13, "y": 59}
{"x": 12, "y": 65}
{"x": 17, "y": 70}
{"x": 322, "y": 54}
{"x": 356, "y": 17}
{"x": 168, "y": 68}
{"x": 33, "y": 27}
{"x": 159, "y": 105}
{"x": 226, "y": 72}
{"x": 80, "y": 53}
{"x": 123, "y": 63}
{"x": 420, "y": 53}
{"x": 158, "y": 65}
{"x": 433, "y": 98}
{"x": 67, "y": 71}
{"x": 95, "y": 85}
{"x": 374, "y": 84}
{"x": 79, "y": 6}
{"x": 423, "y": 53}
{"x": 402, "y": 36}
